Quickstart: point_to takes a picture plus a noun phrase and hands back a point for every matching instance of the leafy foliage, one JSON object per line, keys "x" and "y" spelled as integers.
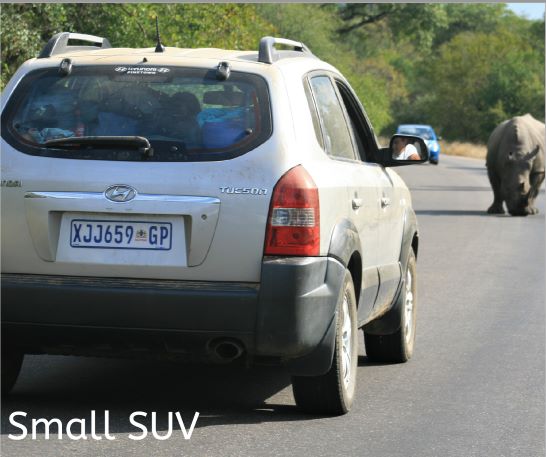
{"x": 27, "y": 27}
{"x": 460, "y": 67}
{"x": 421, "y": 22}
{"x": 479, "y": 80}
{"x": 370, "y": 78}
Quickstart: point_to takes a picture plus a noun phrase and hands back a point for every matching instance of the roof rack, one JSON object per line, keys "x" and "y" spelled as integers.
{"x": 58, "y": 44}
{"x": 267, "y": 48}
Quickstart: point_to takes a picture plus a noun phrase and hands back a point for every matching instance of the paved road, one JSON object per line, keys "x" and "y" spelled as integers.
{"x": 475, "y": 386}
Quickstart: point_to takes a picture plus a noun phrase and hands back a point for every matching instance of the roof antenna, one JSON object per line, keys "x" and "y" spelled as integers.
{"x": 159, "y": 47}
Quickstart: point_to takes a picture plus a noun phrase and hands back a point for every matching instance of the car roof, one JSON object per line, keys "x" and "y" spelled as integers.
{"x": 415, "y": 126}
{"x": 168, "y": 53}
{"x": 98, "y": 51}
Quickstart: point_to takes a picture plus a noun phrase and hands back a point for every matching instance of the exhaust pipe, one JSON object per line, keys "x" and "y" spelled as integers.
{"x": 225, "y": 350}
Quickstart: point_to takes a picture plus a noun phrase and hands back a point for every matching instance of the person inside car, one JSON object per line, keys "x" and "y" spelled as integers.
{"x": 402, "y": 149}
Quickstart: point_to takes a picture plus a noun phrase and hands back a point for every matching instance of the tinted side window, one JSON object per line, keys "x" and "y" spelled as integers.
{"x": 355, "y": 121}
{"x": 337, "y": 137}
{"x": 314, "y": 114}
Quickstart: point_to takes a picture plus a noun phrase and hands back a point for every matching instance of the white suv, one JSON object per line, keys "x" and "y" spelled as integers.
{"x": 202, "y": 204}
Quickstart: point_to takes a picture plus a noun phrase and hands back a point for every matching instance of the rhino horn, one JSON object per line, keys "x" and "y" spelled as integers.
{"x": 531, "y": 155}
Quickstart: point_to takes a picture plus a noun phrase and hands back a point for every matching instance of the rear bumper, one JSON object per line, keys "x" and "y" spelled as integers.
{"x": 288, "y": 317}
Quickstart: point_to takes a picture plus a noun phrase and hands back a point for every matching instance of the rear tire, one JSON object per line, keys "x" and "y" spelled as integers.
{"x": 398, "y": 347}
{"x": 333, "y": 392}
{"x": 11, "y": 367}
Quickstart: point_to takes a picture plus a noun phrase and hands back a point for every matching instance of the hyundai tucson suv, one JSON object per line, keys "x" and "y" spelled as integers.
{"x": 202, "y": 205}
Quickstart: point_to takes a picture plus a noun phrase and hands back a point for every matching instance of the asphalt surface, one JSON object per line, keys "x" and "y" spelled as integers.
{"x": 475, "y": 386}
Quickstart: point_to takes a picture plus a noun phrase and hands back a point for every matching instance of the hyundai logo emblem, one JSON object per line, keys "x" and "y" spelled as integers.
{"x": 120, "y": 193}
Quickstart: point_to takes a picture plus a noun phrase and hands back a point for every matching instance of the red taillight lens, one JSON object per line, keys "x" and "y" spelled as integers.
{"x": 293, "y": 226}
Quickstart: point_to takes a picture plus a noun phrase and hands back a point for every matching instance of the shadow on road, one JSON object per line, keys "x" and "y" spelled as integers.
{"x": 68, "y": 388}
{"x": 470, "y": 168}
{"x": 363, "y": 361}
{"x": 478, "y": 213}
{"x": 452, "y": 212}
{"x": 451, "y": 189}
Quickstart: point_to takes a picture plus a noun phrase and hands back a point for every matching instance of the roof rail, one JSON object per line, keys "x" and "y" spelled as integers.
{"x": 58, "y": 44}
{"x": 267, "y": 48}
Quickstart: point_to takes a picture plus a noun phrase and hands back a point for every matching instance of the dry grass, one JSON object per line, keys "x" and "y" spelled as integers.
{"x": 476, "y": 151}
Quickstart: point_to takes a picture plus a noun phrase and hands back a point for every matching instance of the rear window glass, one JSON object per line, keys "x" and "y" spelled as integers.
{"x": 184, "y": 114}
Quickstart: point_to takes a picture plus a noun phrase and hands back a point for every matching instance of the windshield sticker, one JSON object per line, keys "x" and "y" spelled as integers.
{"x": 152, "y": 71}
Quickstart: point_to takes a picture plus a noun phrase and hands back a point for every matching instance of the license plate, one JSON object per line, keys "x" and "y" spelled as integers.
{"x": 115, "y": 234}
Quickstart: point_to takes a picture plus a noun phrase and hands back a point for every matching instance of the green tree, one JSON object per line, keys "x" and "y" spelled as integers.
{"x": 22, "y": 32}
{"x": 461, "y": 67}
{"x": 317, "y": 26}
{"x": 478, "y": 80}
{"x": 417, "y": 22}
{"x": 27, "y": 27}
{"x": 471, "y": 17}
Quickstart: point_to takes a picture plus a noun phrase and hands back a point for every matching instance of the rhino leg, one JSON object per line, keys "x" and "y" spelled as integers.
{"x": 496, "y": 207}
{"x": 536, "y": 180}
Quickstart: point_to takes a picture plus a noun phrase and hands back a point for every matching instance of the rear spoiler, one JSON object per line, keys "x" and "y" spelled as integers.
{"x": 58, "y": 44}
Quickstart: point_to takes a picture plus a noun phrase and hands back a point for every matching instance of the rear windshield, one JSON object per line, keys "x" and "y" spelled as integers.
{"x": 184, "y": 114}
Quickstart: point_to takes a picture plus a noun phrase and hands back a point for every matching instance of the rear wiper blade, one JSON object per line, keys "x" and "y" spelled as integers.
{"x": 126, "y": 142}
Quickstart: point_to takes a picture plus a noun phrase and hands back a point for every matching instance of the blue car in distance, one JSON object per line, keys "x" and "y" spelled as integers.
{"x": 427, "y": 133}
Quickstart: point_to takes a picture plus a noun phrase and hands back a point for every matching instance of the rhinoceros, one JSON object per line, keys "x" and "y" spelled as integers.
{"x": 515, "y": 165}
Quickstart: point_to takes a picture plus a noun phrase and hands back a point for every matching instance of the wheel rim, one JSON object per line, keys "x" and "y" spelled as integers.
{"x": 347, "y": 331}
{"x": 408, "y": 307}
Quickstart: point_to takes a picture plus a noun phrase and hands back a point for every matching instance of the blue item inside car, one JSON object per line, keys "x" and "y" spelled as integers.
{"x": 222, "y": 127}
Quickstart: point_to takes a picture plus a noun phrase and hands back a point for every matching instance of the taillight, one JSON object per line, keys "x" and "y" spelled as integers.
{"x": 293, "y": 226}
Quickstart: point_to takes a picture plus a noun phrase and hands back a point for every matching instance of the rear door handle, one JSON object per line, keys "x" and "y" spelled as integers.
{"x": 357, "y": 203}
{"x": 385, "y": 201}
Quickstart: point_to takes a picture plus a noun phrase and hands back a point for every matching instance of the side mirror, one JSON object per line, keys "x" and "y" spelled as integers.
{"x": 404, "y": 150}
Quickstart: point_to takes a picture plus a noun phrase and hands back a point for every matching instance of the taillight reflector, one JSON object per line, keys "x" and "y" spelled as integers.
{"x": 293, "y": 227}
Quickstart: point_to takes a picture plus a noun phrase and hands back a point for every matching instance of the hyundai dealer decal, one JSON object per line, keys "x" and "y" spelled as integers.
{"x": 152, "y": 71}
